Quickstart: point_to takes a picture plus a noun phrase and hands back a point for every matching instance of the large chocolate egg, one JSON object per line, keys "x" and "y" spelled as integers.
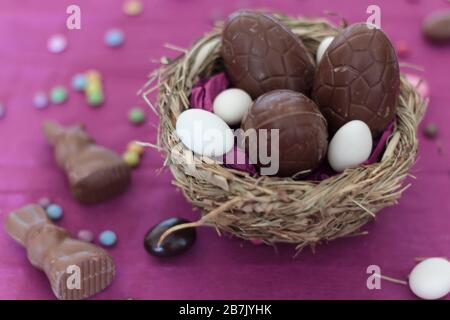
{"x": 358, "y": 79}
{"x": 261, "y": 55}
{"x": 302, "y": 131}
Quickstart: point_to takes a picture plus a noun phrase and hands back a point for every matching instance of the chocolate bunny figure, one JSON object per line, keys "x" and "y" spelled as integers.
{"x": 75, "y": 269}
{"x": 95, "y": 173}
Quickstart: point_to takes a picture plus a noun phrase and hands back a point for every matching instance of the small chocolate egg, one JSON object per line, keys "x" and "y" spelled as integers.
{"x": 302, "y": 132}
{"x": 430, "y": 279}
{"x": 260, "y": 54}
{"x": 174, "y": 244}
{"x": 204, "y": 133}
{"x": 231, "y": 105}
{"x": 436, "y": 27}
{"x": 323, "y": 46}
{"x": 350, "y": 146}
{"x": 358, "y": 78}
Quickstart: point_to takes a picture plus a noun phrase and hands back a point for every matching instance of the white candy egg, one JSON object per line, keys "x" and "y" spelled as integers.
{"x": 323, "y": 46}
{"x": 430, "y": 279}
{"x": 204, "y": 133}
{"x": 231, "y": 105}
{"x": 350, "y": 146}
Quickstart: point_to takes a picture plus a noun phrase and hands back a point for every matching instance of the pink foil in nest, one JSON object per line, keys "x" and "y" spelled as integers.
{"x": 206, "y": 90}
{"x": 202, "y": 97}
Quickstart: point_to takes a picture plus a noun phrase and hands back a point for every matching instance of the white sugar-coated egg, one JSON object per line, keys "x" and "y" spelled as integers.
{"x": 204, "y": 133}
{"x": 430, "y": 279}
{"x": 323, "y": 46}
{"x": 231, "y": 105}
{"x": 350, "y": 146}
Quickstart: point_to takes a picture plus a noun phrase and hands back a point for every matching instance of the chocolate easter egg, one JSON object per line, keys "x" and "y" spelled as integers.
{"x": 436, "y": 27}
{"x": 302, "y": 132}
{"x": 261, "y": 55}
{"x": 174, "y": 244}
{"x": 358, "y": 78}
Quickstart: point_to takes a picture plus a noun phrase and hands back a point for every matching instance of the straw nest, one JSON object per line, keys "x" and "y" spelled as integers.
{"x": 273, "y": 209}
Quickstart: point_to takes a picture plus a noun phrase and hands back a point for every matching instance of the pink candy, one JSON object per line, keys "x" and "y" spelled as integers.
{"x": 420, "y": 83}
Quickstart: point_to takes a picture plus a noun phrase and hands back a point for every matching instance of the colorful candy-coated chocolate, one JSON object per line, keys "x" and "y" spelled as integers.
{"x": 132, "y": 7}
{"x": 107, "y": 238}
{"x": 85, "y": 235}
{"x": 54, "y": 211}
{"x": 95, "y": 99}
{"x": 133, "y": 146}
{"x": 431, "y": 131}
{"x": 44, "y": 202}
{"x": 40, "y": 100}
{"x": 174, "y": 244}
{"x": 2, "y": 110}
{"x": 79, "y": 82}
{"x": 114, "y": 38}
{"x": 57, "y": 43}
{"x": 58, "y": 95}
{"x": 136, "y": 115}
{"x": 131, "y": 158}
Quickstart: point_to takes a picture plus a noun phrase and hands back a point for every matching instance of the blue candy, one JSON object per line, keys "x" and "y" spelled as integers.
{"x": 54, "y": 212}
{"x": 107, "y": 238}
{"x": 79, "y": 82}
{"x": 114, "y": 38}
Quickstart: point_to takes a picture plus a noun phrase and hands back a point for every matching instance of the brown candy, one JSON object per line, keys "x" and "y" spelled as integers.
{"x": 302, "y": 130}
{"x": 436, "y": 27}
{"x": 261, "y": 55}
{"x": 94, "y": 172}
{"x": 63, "y": 259}
{"x": 358, "y": 78}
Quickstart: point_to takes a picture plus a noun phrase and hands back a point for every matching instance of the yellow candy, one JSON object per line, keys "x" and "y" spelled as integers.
{"x": 133, "y": 146}
{"x": 132, "y": 7}
{"x": 131, "y": 158}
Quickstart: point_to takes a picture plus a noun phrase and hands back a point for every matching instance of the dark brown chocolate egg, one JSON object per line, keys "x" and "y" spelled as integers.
{"x": 174, "y": 244}
{"x": 261, "y": 55}
{"x": 436, "y": 27}
{"x": 302, "y": 131}
{"x": 358, "y": 78}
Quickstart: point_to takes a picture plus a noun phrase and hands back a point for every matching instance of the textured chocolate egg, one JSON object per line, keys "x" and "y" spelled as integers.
{"x": 261, "y": 55}
{"x": 302, "y": 130}
{"x": 358, "y": 78}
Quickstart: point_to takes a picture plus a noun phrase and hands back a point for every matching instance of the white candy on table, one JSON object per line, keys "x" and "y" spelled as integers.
{"x": 323, "y": 46}
{"x": 351, "y": 146}
{"x": 204, "y": 133}
{"x": 231, "y": 105}
{"x": 430, "y": 279}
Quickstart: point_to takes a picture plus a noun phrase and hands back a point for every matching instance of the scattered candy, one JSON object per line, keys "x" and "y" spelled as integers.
{"x": 85, "y": 235}
{"x": 403, "y": 49}
{"x": 133, "y": 146}
{"x": 114, "y": 38}
{"x": 40, "y": 100}
{"x": 420, "y": 84}
{"x": 136, "y": 116}
{"x": 256, "y": 241}
{"x": 431, "y": 131}
{"x": 79, "y": 82}
{"x": 430, "y": 279}
{"x": 174, "y": 244}
{"x": 107, "y": 238}
{"x": 131, "y": 158}
{"x": 132, "y": 7}
{"x": 58, "y": 95}
{"x": 54, "y": 212}
{"x": 44, "y": 202}
{"x": 2, "y": 110}
{"x": 57, "y": 43}
{"x": 94, "y": 88}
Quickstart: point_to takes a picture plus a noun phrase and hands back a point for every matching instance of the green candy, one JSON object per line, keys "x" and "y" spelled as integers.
{"x": 136, "y": 116}
{"x": 58, "y": 95}
{"x": 95, "y": 99}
